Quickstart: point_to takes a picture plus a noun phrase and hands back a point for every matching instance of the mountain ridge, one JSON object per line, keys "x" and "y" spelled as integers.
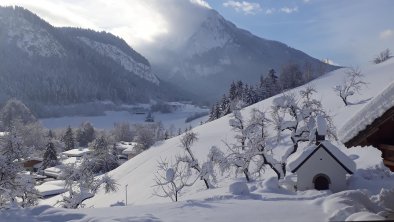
{"x": 46, "y": 65}
{"x": 219, "y": 51}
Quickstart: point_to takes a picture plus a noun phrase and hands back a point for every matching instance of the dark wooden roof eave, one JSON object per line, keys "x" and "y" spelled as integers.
{"x": 360, "y": 138}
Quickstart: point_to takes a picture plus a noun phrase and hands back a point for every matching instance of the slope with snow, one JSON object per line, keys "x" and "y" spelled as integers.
{"x": 231, "y": 200}
{"x": 138, "y": 172}
{"x": 261, "y": 198}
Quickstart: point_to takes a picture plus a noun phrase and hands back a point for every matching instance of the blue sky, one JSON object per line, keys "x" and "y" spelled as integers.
{"x": 348, "y": 32}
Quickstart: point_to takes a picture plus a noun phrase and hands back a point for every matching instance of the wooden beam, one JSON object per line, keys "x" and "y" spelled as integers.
{"x": 388, "y": 163}
{"x": 386, "y": 147}
{"x": 360, "y": 138}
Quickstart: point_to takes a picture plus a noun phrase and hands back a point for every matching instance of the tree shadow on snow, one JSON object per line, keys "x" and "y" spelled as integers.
{"x": 360, "y": 102}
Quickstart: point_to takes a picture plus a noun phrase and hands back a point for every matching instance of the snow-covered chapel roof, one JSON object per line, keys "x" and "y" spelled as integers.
{"x": 368, "y": 114}
{"x": 298, "y": 159}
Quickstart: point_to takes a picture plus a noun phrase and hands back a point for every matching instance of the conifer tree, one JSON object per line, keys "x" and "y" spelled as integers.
{"x": 50, "y": 156}
{"x": 85, "y": 134}
{"x": 68, "y": 139}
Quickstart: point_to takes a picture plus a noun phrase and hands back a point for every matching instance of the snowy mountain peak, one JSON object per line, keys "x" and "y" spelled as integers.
{"x": 30, "y": 37}
{"x": 213, "y": 33}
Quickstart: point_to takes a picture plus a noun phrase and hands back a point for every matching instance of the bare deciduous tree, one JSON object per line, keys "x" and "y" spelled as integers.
{"x": 171, "y": 178}
{"x": 205, "y": 171}
{"x": 297, "y": 115}
{"x": 383, "y": 56}
{"x": 351, "y": 84}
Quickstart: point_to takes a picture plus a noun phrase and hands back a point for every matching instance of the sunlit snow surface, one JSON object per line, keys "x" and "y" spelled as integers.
{"x": 265, "y": 201}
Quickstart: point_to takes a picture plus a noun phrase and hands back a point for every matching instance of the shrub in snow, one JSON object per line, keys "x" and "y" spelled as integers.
{"x": 351, "y": 84}
{"x": 239, "y": 188}
{"x": 383, "y": 56}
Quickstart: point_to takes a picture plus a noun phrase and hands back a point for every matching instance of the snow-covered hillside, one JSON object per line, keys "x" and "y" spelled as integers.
{"x": 138, "y": 173}
{"x": 362, "y": 201}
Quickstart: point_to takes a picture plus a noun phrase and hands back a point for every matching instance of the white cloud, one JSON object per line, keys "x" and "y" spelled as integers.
{"x": 201, "y": 2}
{"x": 386, "y": 34}
{"x": 306, "y": 1}
{"x": 249, "y": 8}
{"x": 270, "y": 11}
{"x": 289, "y": 10}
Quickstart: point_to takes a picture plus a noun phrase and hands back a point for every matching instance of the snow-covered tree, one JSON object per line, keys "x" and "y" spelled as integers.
{"x": 269, "y": 85}
{"x": 291, "y": 76}
{"x": 50, "y": 156}
{"x": 82, "y": 183}
{"x": 225, "y": 106}
{"x": 170, "y": 179}
{"x": 298, "y": 116}
{"x": 192, "y": 162}
{"x": 16, "y": 187}
{"x": 15, "y": 110}
{"x": 85, "y": 134}
{"x": 239, "y": 154}
{"x": 122, "y": 132}
{"x": 250, "y": 146}
{"x": 145, "y": 135}
{"x": 257, "y": 135}
{"x": 68, "y": 139}
{"x": 351, "y": 84}
{"x": 102, "y": 159}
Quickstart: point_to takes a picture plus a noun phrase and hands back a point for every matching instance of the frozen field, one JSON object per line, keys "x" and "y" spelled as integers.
{"x": 176, "y": 119}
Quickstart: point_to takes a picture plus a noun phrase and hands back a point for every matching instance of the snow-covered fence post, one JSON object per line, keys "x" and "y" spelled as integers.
{"x": 126, "y": 192}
